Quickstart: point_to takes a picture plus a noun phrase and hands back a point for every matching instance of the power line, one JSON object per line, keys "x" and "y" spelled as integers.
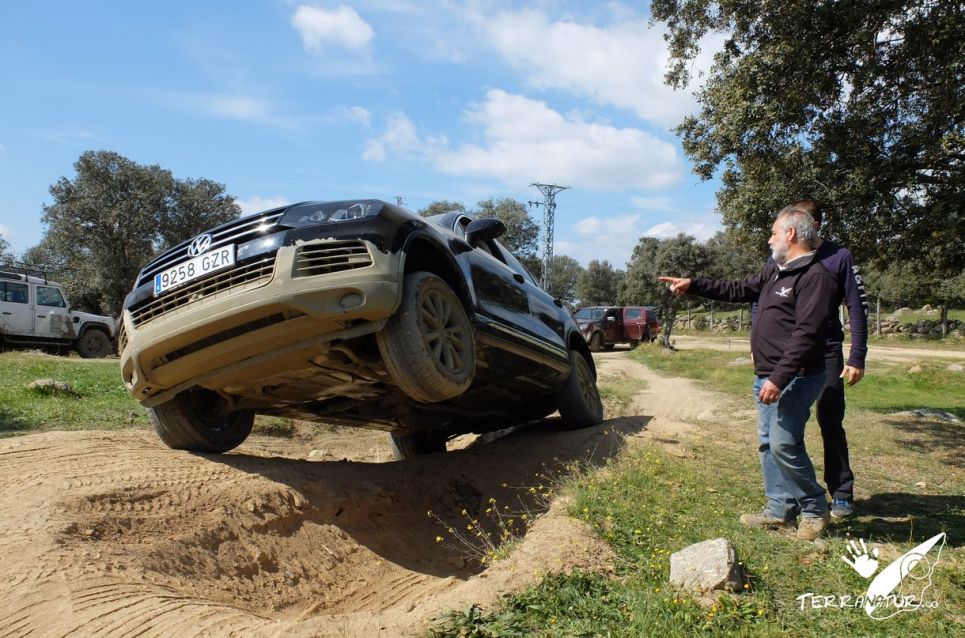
{"x": 549, "y": 209}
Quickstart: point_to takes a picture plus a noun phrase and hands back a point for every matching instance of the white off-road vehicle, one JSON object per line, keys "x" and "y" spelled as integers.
{"x": 34, "y": 313}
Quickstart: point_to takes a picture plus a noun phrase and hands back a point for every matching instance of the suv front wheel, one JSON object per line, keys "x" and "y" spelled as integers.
{"x": 427, "y": 345}
{"x": 194, "y": 421}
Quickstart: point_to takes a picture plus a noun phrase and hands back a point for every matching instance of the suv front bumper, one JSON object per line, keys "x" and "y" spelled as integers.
{"x": 257, "y": 327}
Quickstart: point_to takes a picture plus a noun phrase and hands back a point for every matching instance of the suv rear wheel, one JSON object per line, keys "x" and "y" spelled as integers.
{"x": 579, "y": 401}
{"x": 194, "y": 421}
{"x": 427, "y": 345}
{"x": 407, "y": 446}
{"x": 596, "y": 342}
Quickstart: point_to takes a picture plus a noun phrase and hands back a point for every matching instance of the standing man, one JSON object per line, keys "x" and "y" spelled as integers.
{"x": 795, "y": 297}
{"x": 840, "y": 262}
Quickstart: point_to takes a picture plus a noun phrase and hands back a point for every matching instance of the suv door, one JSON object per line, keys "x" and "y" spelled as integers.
{"x": 547, "y": 319}
{"x": 16, "y": 313}
{"x": 633, "y": 321}
{"x": 50, "y": 308}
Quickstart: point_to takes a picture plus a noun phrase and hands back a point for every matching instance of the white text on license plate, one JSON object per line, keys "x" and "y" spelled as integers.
{"x": 192, "y": 269}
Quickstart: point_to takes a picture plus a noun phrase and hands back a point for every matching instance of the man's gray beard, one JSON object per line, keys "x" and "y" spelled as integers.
{"x": 780, "y": 256}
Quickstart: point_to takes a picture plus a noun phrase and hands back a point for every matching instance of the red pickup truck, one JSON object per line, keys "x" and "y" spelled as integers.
{"x": 604, "y": 326}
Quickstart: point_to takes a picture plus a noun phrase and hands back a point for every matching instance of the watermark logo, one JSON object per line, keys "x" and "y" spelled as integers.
{"x": 900, "y": 587}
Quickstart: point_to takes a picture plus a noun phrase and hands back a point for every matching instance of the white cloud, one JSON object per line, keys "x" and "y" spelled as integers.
{"x": 621, "y": 65}
{"x": 525, "y": 141}
{"x": 402, "y": 139}
{"x": 256, "y": 204}
{"x": 357, "y": 114}
{"x": 702, "y": 229}
{"x": 610, "y": 238}
{"x": 4, "y": 232}
{"x": 341, "y": 27}
{"x": 614, "y": 238}
{"x": 231, "y": 107}
{"x": 66, "y": 137}
{"x": 653, "y": 203}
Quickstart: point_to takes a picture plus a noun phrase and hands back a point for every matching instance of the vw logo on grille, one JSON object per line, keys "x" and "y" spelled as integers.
{"x": 199, "y": 245}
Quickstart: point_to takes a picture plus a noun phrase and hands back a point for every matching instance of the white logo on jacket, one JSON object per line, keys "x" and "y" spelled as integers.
{"x": 783, "y": 292}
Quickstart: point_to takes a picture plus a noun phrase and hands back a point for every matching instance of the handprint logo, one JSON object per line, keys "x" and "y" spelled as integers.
{"x": 861, "y": 561}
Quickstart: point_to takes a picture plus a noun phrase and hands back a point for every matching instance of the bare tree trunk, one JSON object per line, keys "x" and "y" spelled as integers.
{"x": 878, "y": 317}
{"x": 712, "y": 316}
{"x": 740, "y": 320}
{"x": 944, "y": 320}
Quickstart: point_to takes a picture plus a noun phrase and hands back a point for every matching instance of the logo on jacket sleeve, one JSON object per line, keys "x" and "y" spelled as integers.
{"x": 784, "y": 291}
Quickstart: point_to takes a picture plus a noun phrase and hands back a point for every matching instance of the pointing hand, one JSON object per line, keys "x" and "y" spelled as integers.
{"x": 678, "y": 285}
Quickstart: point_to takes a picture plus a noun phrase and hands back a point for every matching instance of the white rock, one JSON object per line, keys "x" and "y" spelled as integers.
{"x": 50, "y": 386}
{"x": 707, "y": 566}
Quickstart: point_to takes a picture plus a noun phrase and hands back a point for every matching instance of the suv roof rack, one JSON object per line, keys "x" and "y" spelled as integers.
{"x": 20, "y": 271}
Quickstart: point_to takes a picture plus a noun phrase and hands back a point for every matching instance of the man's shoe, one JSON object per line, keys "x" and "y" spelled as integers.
{"x": 811, "y": 527}
{"x": 763, "y": 520}
{"x": 841, "y": 508}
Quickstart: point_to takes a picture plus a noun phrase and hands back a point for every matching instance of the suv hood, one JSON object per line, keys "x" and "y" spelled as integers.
{"x": 87, "y": 316}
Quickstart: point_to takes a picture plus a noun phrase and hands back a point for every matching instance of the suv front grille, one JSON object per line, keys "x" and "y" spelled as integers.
{"x": 329, "y": 257}
{"x": 236, "y": 232}
{"x": 259, "y": 271}
{"x": 121, "y": 337}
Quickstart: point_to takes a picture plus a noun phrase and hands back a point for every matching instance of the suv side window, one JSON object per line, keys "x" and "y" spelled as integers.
{"x": 634, "y": 313}
{"x": 49, "y": 296}
{"x": 16, "y": 293}
{"x": 515, "y": 264}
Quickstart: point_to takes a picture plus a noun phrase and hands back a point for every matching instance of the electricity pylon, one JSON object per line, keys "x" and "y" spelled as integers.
{"x": 549, "y": 208}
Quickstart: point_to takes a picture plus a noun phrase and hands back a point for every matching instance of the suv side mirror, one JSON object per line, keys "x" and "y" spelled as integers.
{"x": 483, "y": 229}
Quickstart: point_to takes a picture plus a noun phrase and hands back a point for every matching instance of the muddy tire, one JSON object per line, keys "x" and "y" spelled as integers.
{"x": 407, "y": 446}
{"x": 579, "y": 401}
{"x": 193, "y": 421}
{"x": 427, "y": 345}
{"x": 94, "y": 344}
{"x": 596, "y": 342}
{"x": 634, "y": 343}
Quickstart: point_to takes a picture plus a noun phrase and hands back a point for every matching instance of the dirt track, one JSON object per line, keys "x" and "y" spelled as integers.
{"x": 110, "y": 533}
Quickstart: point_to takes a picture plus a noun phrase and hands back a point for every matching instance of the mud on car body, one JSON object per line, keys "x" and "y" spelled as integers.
{"x": 353, "y": 312}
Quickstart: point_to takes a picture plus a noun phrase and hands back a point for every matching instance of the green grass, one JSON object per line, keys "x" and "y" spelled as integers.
{"x": 618, "y": 392}
{"x": 710, "y": 366}
{"x": 103, "y": 403}
{"x": 885, "y": 388}
{"x": 649, "y": 504}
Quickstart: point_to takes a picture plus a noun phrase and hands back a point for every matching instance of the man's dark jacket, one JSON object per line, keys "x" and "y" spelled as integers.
{"x": 794, "y": 305}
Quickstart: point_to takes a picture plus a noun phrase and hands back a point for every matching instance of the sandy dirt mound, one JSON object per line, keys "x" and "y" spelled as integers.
{"x": 112, "y": 534}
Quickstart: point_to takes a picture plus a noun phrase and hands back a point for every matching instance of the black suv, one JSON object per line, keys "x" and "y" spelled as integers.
{"x": 356, "y": 312}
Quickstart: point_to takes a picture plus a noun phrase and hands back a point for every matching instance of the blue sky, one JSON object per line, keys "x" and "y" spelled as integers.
{"x": 285, "y": 101}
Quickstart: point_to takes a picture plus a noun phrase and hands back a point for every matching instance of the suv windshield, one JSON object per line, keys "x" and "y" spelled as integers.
{"x": 590, "y": 313}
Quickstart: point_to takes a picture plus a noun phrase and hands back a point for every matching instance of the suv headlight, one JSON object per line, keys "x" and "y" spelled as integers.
{"x": 314, "y": 213}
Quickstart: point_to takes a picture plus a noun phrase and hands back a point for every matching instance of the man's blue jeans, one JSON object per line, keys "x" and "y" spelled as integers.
{"x": 790, "y": 484}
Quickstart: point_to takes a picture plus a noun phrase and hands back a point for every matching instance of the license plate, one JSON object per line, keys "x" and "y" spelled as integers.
{"x": 195, "y": 268}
